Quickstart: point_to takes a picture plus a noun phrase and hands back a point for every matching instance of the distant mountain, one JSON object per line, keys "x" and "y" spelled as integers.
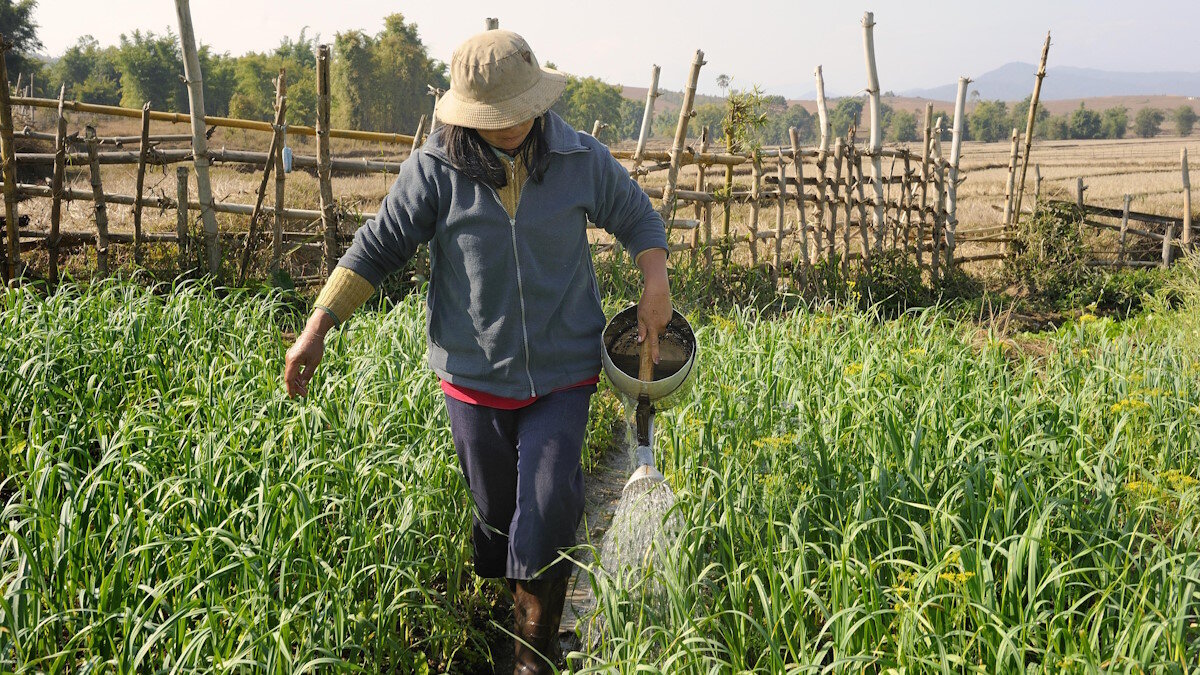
{"x": 1014, "y": 81}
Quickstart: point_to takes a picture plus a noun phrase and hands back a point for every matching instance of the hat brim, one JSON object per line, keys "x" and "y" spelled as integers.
{"x": 452, "y": 109}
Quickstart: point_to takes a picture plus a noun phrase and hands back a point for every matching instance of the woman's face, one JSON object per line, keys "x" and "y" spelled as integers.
{"x": 509, "y": 138}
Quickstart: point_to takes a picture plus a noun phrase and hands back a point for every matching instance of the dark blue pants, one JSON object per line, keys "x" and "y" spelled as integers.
{"x": 523, "y": 469}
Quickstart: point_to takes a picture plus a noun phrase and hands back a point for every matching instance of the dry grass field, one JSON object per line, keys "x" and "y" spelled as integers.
{"x": 1148, "y": 170}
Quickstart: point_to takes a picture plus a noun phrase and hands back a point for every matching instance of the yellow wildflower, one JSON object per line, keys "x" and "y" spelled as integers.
{"x": 853, "y": 369}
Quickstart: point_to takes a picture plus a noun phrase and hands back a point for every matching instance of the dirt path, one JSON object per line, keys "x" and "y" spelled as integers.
{"x": 602, "y": 492}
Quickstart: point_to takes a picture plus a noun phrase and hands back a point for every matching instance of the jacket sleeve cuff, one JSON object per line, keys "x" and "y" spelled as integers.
{"x": 638, "y": 257}
{"x": 344, "y": 292}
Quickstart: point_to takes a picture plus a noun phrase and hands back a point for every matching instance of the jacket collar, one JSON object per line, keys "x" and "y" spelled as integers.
{"x": 560, "y": 139}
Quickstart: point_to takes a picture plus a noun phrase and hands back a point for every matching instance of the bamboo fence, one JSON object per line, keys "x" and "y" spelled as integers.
{"x": 836, "y": 202}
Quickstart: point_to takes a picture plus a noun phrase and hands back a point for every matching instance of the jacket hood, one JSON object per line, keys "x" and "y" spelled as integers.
{"x": 560, "y": 138}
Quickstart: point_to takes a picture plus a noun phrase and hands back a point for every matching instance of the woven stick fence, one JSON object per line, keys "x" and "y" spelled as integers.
{"x": 839, "y": 201}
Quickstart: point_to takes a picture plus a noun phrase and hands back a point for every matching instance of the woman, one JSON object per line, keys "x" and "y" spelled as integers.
{"x": 502, "y": 193}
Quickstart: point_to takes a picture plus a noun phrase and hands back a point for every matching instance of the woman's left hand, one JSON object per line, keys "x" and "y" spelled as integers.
{"x": 654, "y": 309}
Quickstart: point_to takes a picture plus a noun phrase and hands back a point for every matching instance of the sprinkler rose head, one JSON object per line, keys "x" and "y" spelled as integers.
{"x": 645, "y": 475}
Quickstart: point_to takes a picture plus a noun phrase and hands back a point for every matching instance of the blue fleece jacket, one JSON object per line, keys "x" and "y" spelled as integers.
{"x": 513, "y": 303}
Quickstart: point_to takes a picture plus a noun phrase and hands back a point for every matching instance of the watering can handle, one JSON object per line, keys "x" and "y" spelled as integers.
{"x": 646, "y": 365}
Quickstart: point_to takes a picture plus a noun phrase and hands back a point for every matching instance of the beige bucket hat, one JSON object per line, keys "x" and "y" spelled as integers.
{"x": 496, "y": 82}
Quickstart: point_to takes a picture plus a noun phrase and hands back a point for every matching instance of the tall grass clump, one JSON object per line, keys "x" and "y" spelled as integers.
{"x": 166, "y": 507}
{"x": 923, "y": 495}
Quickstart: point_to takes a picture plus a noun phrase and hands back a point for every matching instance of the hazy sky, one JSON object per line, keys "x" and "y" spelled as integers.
{"x": 775, "y": 44}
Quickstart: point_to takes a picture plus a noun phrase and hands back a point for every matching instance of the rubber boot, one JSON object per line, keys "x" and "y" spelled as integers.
{"x": 537, "y": 611}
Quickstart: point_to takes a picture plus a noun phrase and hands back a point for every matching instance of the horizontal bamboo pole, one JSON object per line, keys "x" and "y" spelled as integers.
{"x": 28, "y": 132}
{"x": 361, "y": 165}
{"x": 1127, "y": 263}
{"x": 37, "y": 238}
{"x": 960, "y": 259}
{"x": 209, "y": 120}
{"x": 1117, "y": 228}
{"x": 220, "y": 207}
{"x": 1119, "y": 213}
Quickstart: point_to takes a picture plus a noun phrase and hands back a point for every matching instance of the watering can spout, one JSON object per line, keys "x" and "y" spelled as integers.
{"x": 644, "y": 459}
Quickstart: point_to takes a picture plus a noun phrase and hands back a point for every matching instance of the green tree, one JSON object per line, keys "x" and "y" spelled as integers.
{"x": 1114, "y": 123}
{"x": 903, "y": 127}
{"x": 17, "y": 26}
{"x": 631, "y": 119}
{"x": 1185, "y": 119}
{"x": 380, "y": 82}
{"x": 1147, "y": 122}
{"x": 989, "y": 121}
{"x": 254, "y": 94}
{"x": 744, "y": 120}
{"x": 723, "y": 82}
{"x": 847, "y": 112}
{"x": 805, "y": 123}
{"x": 1085, "y": 124}
{"x": 220, "y": 80}
{"x": 89, "y": 72}
{"x": 1020, "y": 116}
{"x": 151, "y": 66}
{"x": 708, "y": 115}
{"x": 588, "y": 99}
{"x": 1055, "y": 128}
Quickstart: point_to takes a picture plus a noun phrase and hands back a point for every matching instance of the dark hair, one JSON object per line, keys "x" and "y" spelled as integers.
{"x": 473, "y": 156}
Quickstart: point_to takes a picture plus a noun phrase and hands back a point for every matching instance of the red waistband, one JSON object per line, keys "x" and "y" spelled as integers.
{"x": 476, "y": 397}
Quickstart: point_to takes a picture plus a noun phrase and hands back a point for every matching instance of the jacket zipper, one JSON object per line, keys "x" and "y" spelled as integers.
{"x": 512, "y": 223}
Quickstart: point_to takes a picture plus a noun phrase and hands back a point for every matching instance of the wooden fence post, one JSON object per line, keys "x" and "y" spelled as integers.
{"x": 268, "y": 164}
{"x": 328, "y": 217}
{"x": 864, "y": 230}
{"x": 701, "y": 208}
{"x": 685, "y": 114}
{"x": 1037, "y": 191}
{"x": 56, "y": 185}
{"x": 1079, "y": 188}
{"x": 143, "y": 151}
{"x": 876, "y": 139}
{"x": 822, "y": 158}
{"x": 1122, "y": 252}
{"x": 801, "y": 220}
{"x": 9, "y": 169}
{"x": 834, "y": 201}
{"x": 436, "y": 93}
{"x": 280, "y": 178}
{"x": 647, "y": 118}
{"x": 939, "y": 202}
{"x": 181, "y": 218}
{"x": 848, "y": 164}
{"x": 1187, "y": 201}
{"x": 960, "y": 118}
{"x": 98, "y": 197}
{"x": 906, "y": 199}
{"x": 416, "y": 143}
{"x": 1012, "y": 178}
{"x": 781, "y": 175}
{"x": 1167, "y": 243}
{"x": 195, "y": 87}
{"x": 1029, "y": 125}
{"x": 925, "y": 178}
{"x": 755, "y": 191}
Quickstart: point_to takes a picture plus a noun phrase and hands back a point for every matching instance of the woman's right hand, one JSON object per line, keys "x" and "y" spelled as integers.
{"x": 305, "y": 354}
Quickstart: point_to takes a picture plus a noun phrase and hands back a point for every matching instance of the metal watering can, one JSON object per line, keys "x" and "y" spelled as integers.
{"x": 643, "y": 385}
